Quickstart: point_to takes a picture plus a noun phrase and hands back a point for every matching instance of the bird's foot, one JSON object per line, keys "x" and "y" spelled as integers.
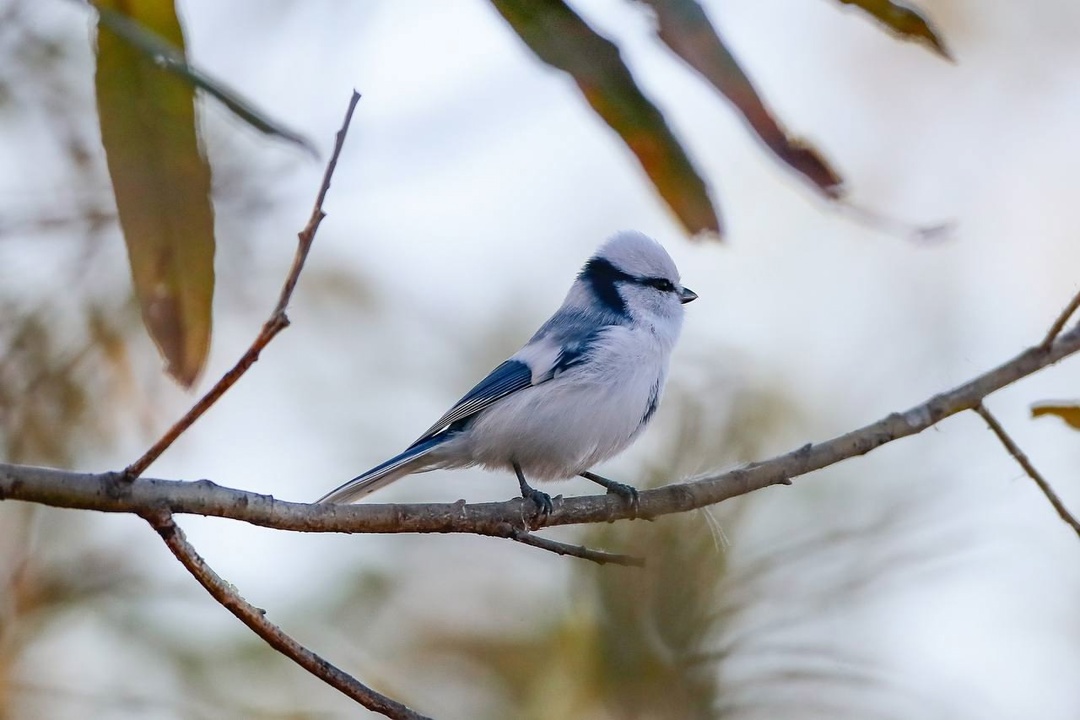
{"x": 540, "y": 499}
{"x": 626, "y": 492}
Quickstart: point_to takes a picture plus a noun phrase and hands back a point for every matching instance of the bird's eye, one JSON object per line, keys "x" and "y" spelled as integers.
{"x": 662, "y": 284}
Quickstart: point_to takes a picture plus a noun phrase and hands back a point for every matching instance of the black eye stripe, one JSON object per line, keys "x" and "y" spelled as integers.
{"x": 661, "y": 284}
{"x": 602, "y": 277}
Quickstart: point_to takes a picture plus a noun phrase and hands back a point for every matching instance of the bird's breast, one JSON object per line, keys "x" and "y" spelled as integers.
{"x": 580, "y": 418}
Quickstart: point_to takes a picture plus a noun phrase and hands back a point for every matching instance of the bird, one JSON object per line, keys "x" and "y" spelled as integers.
{"x": 579, "y": 392}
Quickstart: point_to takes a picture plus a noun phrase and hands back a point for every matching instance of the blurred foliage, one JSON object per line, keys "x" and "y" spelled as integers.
{"x": 50, "y": 390}
{"x": 169, "y": 55}
{"x": 74, "y": 368}
{"x": 714, "y": 627}
{"x": 76, "y": 374}
{"x": 703, "y": 631}
{"x": 160, "y": 175}
{"x": 565, "y": 41}
{"x": 685, "y": 28}
{"x": 904, "y": 21}
{"x": 42, "y": 585}
{"x": 624, "y": 645}
{"x": 51, "y": 583}
{"x": 64, "y": 356}
{"x": 562, "y": 39}
{"x": 1069, "y": 413}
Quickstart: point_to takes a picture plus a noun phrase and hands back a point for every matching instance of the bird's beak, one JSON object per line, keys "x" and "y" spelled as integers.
{"x": 687, "y": 295}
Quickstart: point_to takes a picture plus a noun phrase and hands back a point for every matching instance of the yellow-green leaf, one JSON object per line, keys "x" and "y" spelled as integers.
{"x": 172, "y": 59}
{"x": 904, "y": 21}
{"x": 563, "y": 40}
{"x": 683, "y": 26}
{"x": 162, "y": 185}
{"x": 1069, "y": 413}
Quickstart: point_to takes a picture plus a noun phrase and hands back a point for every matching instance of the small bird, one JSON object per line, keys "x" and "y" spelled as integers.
{"x": 579, "y": 392}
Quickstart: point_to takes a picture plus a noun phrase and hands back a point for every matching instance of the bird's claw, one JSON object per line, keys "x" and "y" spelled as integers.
{"x": 541, "y": 500}
{"x": 627, "y": 493}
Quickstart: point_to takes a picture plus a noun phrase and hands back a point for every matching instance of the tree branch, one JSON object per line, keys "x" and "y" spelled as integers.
{"x": 254, "y": 618}
{"x": 162, "y": 519}
{"x": 278, "y": 319}
{"x": 560, "y": 548}
{"x": 1025, "y": 463}
{"x": 107, "y": 493}
{"x": 1059, "y": 323}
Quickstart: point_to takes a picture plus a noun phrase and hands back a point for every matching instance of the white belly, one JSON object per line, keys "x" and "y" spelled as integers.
{"x": 566, "y": 425}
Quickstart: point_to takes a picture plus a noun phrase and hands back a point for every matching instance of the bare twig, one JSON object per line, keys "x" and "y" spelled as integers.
{"x": 254, "y": 618}
{"x": 107, "y": 493}
{"x": 560, "y": 548}
{"x": 1059, "y": 323}
{"x": 1025, "y": 463}
{"x": 278, "y": 320}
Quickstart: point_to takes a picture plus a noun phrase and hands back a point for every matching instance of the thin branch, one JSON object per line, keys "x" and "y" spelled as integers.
{"x": 106, "y": 492}
{"x": 254, "y": 618}
{"x": 1025, "y": 463}
{"x": 278, "y": 320}
{"x": 560, "y": 548}
{"x": 1059, "y": 324}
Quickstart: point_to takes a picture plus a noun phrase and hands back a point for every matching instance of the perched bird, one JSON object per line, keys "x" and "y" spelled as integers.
{"x": 580, "y": 391}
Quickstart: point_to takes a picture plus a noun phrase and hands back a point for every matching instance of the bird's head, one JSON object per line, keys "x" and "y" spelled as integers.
{"x": 631, "y": 276}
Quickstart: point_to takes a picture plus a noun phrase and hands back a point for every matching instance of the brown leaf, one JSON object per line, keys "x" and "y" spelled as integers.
{"x": 1069, "y": 413}
{"x": 162, "y": 185}
{"x": 563, "y": 40}
{"x": 683, "y": 26}
{"x": 903, "y": 21}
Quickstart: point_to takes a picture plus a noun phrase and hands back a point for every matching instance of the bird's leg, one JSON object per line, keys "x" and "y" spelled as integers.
{"x": 626, "y": 492}
{"x": 541, "y": 499}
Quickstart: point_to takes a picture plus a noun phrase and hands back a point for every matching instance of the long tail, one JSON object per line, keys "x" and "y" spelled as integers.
{"x": 381, "y": 475}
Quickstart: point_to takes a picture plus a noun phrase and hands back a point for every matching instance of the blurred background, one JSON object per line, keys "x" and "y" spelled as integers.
{"x": 929, "y": 579}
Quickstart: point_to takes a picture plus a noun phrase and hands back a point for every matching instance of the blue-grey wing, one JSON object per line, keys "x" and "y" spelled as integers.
{"x": 562, "y": 343}
{"x": 508, "y": 378}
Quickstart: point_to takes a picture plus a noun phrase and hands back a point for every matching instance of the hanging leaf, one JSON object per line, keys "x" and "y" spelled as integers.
{"x": 1069, "y": 413}
{"x": 563, "y": 40}
{"x": 683, "y": 26}
{"x": 162, "y": 185}
{"x": 170, "y": 58}
{"x": 904, "y": 21}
